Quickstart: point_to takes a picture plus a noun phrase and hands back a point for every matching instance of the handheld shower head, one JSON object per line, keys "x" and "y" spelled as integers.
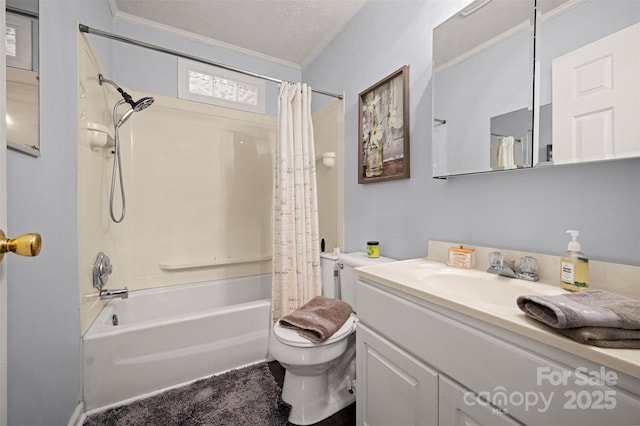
{"x": 143, "y": 103}
{"x": 139, "y": 106}
{"x": 135, "y": 105}
{"x": 117, "y": 166}
{"x": 125, "y": 117}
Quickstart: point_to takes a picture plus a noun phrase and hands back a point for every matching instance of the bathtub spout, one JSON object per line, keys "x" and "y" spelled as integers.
{"x": 122, "y": 293}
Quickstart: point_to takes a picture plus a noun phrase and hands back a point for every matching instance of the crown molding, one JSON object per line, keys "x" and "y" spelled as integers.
{"x": 131, "y": 19}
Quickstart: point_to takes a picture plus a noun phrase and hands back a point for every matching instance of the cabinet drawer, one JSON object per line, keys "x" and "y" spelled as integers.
{"x": 531, "y": 388}
{"x": 460, "y": 407}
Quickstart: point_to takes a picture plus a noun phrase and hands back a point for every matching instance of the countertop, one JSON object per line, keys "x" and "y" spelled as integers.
{"x": 492, "y": 299}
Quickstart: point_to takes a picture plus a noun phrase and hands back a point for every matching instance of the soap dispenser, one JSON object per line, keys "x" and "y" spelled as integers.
{"x": 574, "y": 266}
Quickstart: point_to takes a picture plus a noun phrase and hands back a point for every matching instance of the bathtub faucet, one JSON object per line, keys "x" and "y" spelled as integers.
{"x": 122, "y": 293}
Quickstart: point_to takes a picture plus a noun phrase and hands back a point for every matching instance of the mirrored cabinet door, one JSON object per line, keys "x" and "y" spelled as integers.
{"x": 502, "y": 101}
{"x": 483, "y": 68}
{"x": 588, "y": 57}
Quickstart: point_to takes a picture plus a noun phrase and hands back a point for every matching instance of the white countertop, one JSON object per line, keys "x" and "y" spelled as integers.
{"x": 492, "y": 299}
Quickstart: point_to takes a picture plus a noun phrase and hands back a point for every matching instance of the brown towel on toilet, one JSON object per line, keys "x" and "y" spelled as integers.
{"x": 318, "y": 319}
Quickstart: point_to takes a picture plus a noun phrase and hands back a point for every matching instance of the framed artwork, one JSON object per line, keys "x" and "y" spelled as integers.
{"x": 383, "y": 132}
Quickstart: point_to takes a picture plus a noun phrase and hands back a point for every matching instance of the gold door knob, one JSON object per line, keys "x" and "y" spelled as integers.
{"x": 24, "y": 245}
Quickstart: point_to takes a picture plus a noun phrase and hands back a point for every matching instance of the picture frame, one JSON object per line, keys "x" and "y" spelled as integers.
{"x": 383, "y": 129}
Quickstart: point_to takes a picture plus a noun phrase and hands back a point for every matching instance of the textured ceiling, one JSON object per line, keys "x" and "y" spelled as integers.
{"x": 293, "y": 31}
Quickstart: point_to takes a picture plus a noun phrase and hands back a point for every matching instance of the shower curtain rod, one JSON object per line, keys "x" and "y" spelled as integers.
{"x": 89, "y": 30}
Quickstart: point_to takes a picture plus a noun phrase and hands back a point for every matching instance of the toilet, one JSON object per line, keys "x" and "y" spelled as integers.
{"x": 320, "y": 377}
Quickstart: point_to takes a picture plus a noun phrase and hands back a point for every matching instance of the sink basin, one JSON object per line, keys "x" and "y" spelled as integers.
{"x": 478, "y": 286}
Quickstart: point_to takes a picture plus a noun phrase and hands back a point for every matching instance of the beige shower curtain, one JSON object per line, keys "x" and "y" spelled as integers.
{"x": 296, "y": 236}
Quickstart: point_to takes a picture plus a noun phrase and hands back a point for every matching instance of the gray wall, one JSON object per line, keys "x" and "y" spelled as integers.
{"x": 523, "y": 210}
{"x": 43, "y": 303}
{"x": 43, "y": 319}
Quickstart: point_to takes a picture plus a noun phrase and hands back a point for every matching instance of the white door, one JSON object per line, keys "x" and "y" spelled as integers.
{"x": 596, "y": 96}
{"x": 3, "y": 225}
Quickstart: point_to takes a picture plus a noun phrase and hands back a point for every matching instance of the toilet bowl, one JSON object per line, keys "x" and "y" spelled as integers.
{"x": 320, "y": 377}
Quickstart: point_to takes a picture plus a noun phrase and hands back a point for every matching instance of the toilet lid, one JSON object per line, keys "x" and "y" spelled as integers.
{"x": 292, "y": 338}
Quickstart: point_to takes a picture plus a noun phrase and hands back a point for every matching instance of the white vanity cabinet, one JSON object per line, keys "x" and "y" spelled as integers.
{"x": 419, "y": 363}
{"x": 395, "y": 388}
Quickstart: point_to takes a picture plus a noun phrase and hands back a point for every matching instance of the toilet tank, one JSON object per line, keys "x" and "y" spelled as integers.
{"x": 348, "y": 277}
{"x": 329, "y": 275}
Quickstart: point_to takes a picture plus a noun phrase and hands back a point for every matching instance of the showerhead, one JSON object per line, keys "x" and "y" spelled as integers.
{"x": 143, "y": 103}
{"x": 139, "y": 106}
{"x": 135, "y": 105}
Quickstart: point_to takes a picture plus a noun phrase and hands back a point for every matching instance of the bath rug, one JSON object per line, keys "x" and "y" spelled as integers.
{"x": 246, "y": 396}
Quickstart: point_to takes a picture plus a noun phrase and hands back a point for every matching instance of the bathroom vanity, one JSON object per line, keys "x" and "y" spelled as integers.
{"x": 444, "y": 346}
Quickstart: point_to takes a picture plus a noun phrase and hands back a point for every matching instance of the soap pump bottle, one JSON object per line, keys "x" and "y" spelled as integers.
{"x": 574, "y": 266}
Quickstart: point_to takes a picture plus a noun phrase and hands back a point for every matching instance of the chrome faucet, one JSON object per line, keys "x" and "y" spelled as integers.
{"x": 102, "y": 269}
{"x": 122, "y": 293}
{"x": 507, "y": 268}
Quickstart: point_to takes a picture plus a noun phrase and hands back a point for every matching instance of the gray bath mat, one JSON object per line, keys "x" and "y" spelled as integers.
{"x": 247, "y": 396}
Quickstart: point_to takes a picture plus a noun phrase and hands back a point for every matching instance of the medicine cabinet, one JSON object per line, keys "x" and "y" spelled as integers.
{"x": 521, "y": 84}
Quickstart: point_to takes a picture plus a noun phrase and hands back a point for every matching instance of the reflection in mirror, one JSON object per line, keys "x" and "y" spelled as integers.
{"x": 21, "y": 47}
{"x": 483, "y": 74}
{"x": 588, "y": 57}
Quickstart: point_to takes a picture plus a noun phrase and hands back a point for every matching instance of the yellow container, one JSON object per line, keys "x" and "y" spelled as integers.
{"x": 461, "y": 257}
{"x": 373, "y": 249}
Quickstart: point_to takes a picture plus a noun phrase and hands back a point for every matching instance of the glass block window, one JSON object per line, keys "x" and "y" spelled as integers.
{"x": 10, "y": 41}
{"x": 209, "y": 84}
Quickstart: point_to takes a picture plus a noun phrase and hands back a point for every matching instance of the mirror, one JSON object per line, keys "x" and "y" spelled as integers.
{"x": 484, "y": 85}
{"x": 588, "y": 61}
{"x": 21, "y": 47}
{"x": 483, "y": 68}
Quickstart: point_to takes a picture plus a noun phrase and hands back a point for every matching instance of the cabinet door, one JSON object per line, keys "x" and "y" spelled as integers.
{"x": 461, "y": 407}
{"x": 394, "y": 388}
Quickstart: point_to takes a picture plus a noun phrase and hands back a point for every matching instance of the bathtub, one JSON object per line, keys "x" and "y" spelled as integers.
{"x": 172, "y": 335}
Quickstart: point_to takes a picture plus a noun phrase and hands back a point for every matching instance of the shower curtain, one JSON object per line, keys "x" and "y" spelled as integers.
{"x": 296, "y": 236}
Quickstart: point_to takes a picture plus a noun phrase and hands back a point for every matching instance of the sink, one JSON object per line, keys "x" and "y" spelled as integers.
{"x": 478, "y": 286}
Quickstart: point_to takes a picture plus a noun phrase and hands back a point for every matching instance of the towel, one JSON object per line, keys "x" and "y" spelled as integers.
{"x": 595, "y": 317}
{"x": 318, "y": 319}
{"x": 506, "y": 159}
{"x": 604, "y": 337}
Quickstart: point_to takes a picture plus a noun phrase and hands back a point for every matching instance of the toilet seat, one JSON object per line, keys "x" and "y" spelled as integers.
{"x": 291, "y": 337}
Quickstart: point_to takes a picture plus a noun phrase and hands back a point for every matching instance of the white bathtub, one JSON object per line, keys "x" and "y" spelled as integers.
{"x": 172, "y": 335}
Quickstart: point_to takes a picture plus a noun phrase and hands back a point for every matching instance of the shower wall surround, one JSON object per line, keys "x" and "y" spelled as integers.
{"x": 198, "y": 182}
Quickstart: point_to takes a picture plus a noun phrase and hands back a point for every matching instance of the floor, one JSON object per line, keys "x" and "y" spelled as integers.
{"x": 345, "y": 417}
